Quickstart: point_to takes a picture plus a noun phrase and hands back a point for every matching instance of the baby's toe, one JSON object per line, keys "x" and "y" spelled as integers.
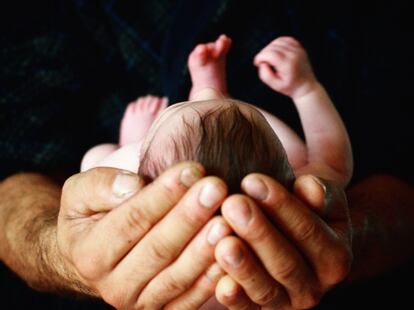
{"x": 198, "y": 56}
{"x": 222, "y": 45}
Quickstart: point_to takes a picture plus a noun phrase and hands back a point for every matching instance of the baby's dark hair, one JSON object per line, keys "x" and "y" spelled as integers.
{"x": 228, "y": 144}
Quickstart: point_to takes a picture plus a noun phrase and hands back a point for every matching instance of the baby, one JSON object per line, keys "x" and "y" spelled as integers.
{"x": 229, "y": 137}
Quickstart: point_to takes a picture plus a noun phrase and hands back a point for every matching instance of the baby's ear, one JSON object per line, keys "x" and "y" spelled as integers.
{"x": 207, "y": 94}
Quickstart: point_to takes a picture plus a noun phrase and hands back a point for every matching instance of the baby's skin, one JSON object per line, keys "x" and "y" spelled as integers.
{"x": 283, "y": 65}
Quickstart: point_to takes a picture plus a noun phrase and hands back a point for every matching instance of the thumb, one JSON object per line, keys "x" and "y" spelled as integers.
{"x": 99, "y": 190}
{"x": 325, "y": 197}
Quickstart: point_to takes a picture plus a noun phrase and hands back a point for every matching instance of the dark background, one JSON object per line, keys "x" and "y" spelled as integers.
{"x": 69, "y": 68}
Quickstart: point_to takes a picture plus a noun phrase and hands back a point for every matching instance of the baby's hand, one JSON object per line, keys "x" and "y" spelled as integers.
{"x": 284, "y": 66}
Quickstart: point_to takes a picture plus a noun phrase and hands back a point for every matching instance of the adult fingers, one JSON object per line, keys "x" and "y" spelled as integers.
{"x": 98, "y": 190}
{"x": 325, "y": 197}
{"x": 159, "y": 247}
{"x": 197, "y": 257}
{"x": 310, "y": 234}
{"x": 124, "y": 226}
{"x": 240, "y": 264}
{"x": 328, "y": 200}
{"x": 200, "y": 293}
{"x": 276, "y": 253}
{"x": 230, "y": 294}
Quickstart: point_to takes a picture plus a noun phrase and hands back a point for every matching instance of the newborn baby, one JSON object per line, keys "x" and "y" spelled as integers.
{"x": 229, "y": 137}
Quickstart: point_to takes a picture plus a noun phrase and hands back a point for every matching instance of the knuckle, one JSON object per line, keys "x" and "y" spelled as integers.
{"x": 159, "y": 251}
{"x": 147, "y": 303}
{"x": 143, "y": 306}
{"x": 260, "y": 233}
{"x": 161, "y": 293}
{"x": 290, "y": 40}
{"x": 307, "y": 300}
{"x": 276, "y": 56}
{"x": 68, "y": 188}
{"x": 113, "y": 296}
{"x": 69, "y": 182}
{"x": 194, "y": 216}
{"x": 89, "y": 266}
{"x": 281, "y": 198}
{"x": 306, "y": 230}
{"x": 267, "y": 296}
{"x": 287, "y": 270}
{"x": 272, "y": 57}
{"x": 167, "y": 190}
{"x": 172, "y": 286}
{"x": 136, "y": 220}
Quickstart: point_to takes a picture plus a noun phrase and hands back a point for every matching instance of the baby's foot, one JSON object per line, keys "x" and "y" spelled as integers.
{"x": 138, "y": 118}
{"x": 207, "y": 66}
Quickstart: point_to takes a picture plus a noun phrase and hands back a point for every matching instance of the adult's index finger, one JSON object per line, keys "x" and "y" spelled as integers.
{"x": 116, "y": 233}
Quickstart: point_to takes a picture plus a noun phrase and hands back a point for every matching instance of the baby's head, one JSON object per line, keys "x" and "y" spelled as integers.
{"x": 229, "y": 138}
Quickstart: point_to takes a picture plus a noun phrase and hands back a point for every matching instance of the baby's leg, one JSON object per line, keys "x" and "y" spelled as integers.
{"x": 138, "y": 118}
{"x": 207, "y": 66}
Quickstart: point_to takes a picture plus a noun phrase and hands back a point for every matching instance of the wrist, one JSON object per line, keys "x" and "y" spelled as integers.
{"x": 64, "y": 277}
{"x": 28, "y": 225}
{"x": 305, "y": 89}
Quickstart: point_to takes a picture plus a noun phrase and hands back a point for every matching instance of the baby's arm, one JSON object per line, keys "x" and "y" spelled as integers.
{"x": 284, "y": 66}
{"x": 329, "y": 148}
{"x": 294, "y": 146}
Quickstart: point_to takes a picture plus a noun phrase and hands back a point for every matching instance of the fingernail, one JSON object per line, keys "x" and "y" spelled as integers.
{"x": 189, "y": 176}
{"x": 228, "y": 287}
{"x": 256, "y": 188}
{"x": 125, "y": 184}
{"x": 234, "y": 259}
{"x": 319, "y": 182}
{"x": 210, "y": 195}
{"x": 217, "y": 232}
{"x": 326, "y": 195}
{"x": 239, "y": 214}
{"x": 214, "y": 272}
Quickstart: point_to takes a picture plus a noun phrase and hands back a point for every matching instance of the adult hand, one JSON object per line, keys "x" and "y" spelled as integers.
{"x": 288, "y": 251}
{"x": 143, "y": 247}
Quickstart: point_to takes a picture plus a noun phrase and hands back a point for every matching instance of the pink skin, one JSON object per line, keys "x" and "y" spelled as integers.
{"x": 207, "y": 66}
{"x": 138, "y": 118}
{"x": 283, "y": 66}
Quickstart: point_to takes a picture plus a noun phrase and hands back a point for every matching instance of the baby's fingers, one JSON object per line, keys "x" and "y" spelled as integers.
{"x": 270, "y": 56}
{"x": 268, "y": 76}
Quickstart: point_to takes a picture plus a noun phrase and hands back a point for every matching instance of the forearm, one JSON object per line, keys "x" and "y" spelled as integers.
{"x": 28, "y": 217}
{"x": 293, "y": 144}
{"x": 382, "y": 212}
{"x": 327, "y": 140}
